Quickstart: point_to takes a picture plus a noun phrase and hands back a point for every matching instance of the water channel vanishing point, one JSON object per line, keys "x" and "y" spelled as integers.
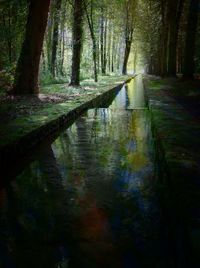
{"x": 89, "y": 198}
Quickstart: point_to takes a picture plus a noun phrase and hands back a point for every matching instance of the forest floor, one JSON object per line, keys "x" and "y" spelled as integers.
{"x": 175, "y": 110}
{"x": 20, "y": 115}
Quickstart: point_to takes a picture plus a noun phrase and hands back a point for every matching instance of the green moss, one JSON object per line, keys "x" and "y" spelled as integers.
{"x": 25, "y": 117}
{"x": 156, "y": 84}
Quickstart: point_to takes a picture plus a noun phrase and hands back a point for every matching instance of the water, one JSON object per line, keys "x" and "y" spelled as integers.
{"x": 89, "y": 199}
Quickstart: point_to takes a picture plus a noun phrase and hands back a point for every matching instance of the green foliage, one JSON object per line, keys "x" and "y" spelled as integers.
{"x": 156, "y": 84}
{"x": 12, "y": 26}
{"x": 7, "y": 79}
{"x": 46, "y": 78}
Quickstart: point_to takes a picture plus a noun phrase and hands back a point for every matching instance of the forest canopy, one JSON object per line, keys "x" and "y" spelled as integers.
{"x": 44, "y": 42}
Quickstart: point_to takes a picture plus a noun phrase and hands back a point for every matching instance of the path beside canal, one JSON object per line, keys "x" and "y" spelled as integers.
{"x": 175, "y": 110}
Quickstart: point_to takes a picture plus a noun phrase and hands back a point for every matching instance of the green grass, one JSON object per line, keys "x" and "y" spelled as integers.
{"x": 156, "y": 84}
{"x": 24, "y": 117}
{"x": 87, "y": 84}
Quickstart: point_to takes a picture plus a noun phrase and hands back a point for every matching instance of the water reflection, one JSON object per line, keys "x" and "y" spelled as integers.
{"x": 131, "y": 96}
{"x": 89, "y": 199}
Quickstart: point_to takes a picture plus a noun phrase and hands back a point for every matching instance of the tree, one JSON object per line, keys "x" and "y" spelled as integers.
{"x": 26, "y": 76}
{"x": 89, "y": 10}
{"x": 189, "y": 66}
{"x": 77, "y": 41}
{"x": 172, "y": 35}
{"x": 103, "y": 38}
{"x": 12, "y": 23}
{"x": 175, "y": 12}
{"x": 129, "y": 28}
{"x": 55, "y": 36}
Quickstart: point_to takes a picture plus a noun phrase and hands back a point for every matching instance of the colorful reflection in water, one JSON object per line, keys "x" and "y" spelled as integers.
{"x": 88, "y": 199}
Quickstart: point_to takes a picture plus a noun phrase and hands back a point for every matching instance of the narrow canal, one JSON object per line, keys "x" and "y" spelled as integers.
{"x": 89, "y": 199}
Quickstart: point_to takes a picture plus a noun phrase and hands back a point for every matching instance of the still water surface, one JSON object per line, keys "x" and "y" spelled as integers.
{"x": 88, "y": 199}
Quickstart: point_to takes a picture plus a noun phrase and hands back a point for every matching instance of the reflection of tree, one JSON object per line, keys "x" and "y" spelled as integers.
{"x": 104, "y": 180}
{"x": 139, "y": 158}
{"x": 36, "y": 212}
{"x": 130, "y": 88}
{"x": 135, "y": 92}
{"x": 88, "y": 178}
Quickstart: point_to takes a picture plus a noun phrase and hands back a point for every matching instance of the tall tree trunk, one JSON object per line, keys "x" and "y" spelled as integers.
{"x": 118, "y": 54}
{"x": 129, "y": 28}
{"x": 126, "y": 56}
{"x": 62, "y": 38}
{"x": 189, "y": 66}
{"x": 175, "y": 10}
{"x": 180, "y": 37}
{"x": 164, "y": 37}
{"x": 114, "y": 51}
{"x": 77, "y": 42}
{"x": 93, "y": 37}
{"x": 62, "y": 52}
{"x": 55, "y": 36}
{"x": 109, "y": 47}
{"x": 10, "y": 37}
{"x": 173, "y": 32}
{"x": 102, "y": 43}
{"x": 105, "y": 46}
{"x": 43, "y": 62}
{"x": 135, "y": 61}
{"x": 48, "y": 38}
{"x": 94, "y": 53}
{"x": 26, "y": 77}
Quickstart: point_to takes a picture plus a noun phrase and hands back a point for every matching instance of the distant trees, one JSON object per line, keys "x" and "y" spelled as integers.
{"x": 174, "y": 11}
{"x": 98, "y": 32}
{"x": 88, "y": 38}
{"x": 171, "y": 37}
{"x": 26, "y": 77}
{"x": 12, "y": 25}
{"x": 54, "y": 47}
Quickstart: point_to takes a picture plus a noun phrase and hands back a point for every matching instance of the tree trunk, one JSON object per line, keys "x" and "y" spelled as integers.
{"x": 135, "y": 61}
{"x": 112, "y": 52}
{"x": 62, "y": 38}
{"x": 173, "y": 32}
{"x": 109, "y": 47}
{"x": 164, "y": 37}
{"x": 93, "y": 37}
{"x": 126, "y": 56}
{"x": 189, "y": 66}
{"x": 62, "y": 52}
{"x": 180, "y": 37}
{"x": 105, "y": 47}
{"x": 175, "y": 12}
{"x": 10, "y": 37}
{"x": 55, "y": 36}
{"x": 26, "y": 77}
{"x": 77, "y": 42}
{"x": 128, "y": 33}
{"x": 102, "y": 44}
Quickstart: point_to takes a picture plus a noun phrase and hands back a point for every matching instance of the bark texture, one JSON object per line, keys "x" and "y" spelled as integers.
{"x": 55, "y": 36}
{"x": 26, "y": 77}
{"x": 77, "y": 42}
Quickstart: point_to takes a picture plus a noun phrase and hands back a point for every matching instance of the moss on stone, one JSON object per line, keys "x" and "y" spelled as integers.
{"x": 21, "y": 118}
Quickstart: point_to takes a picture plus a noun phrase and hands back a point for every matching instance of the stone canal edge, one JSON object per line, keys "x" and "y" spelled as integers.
{"x": 64, "y": 115}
